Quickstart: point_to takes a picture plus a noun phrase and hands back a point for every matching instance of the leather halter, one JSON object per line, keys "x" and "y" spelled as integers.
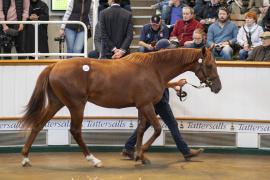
{"x": 203, "y": 84}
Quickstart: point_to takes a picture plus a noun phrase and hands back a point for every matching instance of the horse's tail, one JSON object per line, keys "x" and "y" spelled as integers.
{"x": 36, "y": 105}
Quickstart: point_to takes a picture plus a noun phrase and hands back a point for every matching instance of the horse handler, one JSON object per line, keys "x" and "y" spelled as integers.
{"x": 163, "y": 109}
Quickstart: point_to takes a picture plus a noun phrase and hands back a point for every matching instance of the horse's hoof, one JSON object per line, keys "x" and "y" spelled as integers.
{"x": 27, "y": 164}
{"x": 146, "y": 162}
{"x": 98, "y": 165}
{"x": 137, "y": 158}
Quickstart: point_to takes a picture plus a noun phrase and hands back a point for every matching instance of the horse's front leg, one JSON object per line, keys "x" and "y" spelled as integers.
{"x": 148, "y": 112}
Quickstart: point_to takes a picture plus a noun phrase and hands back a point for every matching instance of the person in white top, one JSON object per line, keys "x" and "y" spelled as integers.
{"x": 77, "y": 10}
{"x": 248, "y": 36}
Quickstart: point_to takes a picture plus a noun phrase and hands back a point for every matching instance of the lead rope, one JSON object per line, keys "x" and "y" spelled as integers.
{"x": 183, "y": 94}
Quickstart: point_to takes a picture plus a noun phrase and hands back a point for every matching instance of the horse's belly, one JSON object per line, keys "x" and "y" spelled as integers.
{"x": 111, "y": 102}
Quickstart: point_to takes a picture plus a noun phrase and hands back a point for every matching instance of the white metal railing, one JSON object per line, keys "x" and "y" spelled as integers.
{"x": 36, "y": 54}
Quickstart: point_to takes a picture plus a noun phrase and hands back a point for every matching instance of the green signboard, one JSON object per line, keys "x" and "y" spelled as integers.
{"x": 59, "y": 5}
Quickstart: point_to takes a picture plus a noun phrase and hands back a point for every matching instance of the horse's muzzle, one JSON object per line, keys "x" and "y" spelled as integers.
{"x": 214, "y": 85}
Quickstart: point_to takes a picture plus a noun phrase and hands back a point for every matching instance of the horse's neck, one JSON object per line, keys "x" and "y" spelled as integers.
{"x": 173, "y": 64}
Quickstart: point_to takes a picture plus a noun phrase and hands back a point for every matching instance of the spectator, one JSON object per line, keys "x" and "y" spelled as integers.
{"x": 74, "y": 33}
{"x": 97, "y": 40}
{"x": 116, "y": 31}
{"x": 199, "y": 4}
{"x": 198, "y": 39}
{"x": 11, "y": 10}
{"x": 151, "y": 33}
{"x": 222, "y": 35}
{"x": 103, "y": 4}
{"x": 184, "y": 28}
{"x": 38, "y": 11}
{"x": 125, "y": 4}
{"x": 190, "y": 3}
{"x": 248, "y": 36}
{"x": 255, "y": 5}
{"x": 235, "y": 6}
{"x": 208, "y": 14}
{"x": 173, "y": 12}
{"x": 163, "y": 5}
{"x": 261, "y": 53}
{"x": 266, "y": 19}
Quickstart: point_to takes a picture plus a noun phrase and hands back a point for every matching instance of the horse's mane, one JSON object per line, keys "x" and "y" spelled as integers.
{"x": 183, "y": 55}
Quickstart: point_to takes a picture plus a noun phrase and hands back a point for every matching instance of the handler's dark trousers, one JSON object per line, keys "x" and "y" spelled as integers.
{"x": 163, "y": 109}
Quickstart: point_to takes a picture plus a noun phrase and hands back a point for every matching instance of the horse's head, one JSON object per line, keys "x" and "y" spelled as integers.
{"x": 206, "y": 70}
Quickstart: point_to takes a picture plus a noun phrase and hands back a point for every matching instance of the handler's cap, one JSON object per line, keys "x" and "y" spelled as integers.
{"x": 155, "y": 19}
{"x": 265, "y": 35}
{"x": 164, "y": 44}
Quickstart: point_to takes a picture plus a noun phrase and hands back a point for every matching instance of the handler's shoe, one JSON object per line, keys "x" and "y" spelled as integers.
{"x": 128, "y": 154}
{"x": 193, "y": 153}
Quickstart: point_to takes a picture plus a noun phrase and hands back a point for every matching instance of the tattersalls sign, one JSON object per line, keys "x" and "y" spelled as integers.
{"x": 189, "y": 125}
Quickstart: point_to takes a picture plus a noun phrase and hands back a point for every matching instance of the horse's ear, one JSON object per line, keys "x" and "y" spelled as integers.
{"x": 204, "y": 52}
{"x": 211, "y": 47}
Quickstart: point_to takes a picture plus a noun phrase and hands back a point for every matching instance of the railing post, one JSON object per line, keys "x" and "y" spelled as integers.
{"x": 36, "y": 40}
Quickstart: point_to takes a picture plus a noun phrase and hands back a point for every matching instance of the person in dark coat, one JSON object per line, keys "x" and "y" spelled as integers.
{"x": 116, "y": 31}
{"x": 103, "y": 4}
{"x": 208, "y": 14}
{"x": 38, "y": 11}
{"x": 266, "y": 21}
{"x": 261, "y": 53}
{"x": 97, "y": 41}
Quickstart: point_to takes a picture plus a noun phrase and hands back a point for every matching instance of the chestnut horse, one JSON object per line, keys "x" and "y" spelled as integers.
{"x": 137, "y": 80}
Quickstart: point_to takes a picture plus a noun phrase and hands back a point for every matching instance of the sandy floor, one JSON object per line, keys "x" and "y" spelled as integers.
{"x": 165, "y": 166}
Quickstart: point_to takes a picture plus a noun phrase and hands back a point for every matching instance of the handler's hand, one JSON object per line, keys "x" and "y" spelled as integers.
{"x": 180, "y": 84}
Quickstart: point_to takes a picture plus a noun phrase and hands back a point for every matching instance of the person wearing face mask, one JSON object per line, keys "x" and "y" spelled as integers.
{"x": 222, "y": 35}
{"x": 248, "y": 36}
{"x": 38, "y": 11}
{"x": 183, "y": 29}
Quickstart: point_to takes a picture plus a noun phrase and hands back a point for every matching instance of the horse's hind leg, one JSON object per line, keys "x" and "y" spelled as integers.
{"x": 76, "y": 131}
{"x": 140, "y": 132}
{"x": 149, "y": 113}
{"x": 50, "y": 111}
